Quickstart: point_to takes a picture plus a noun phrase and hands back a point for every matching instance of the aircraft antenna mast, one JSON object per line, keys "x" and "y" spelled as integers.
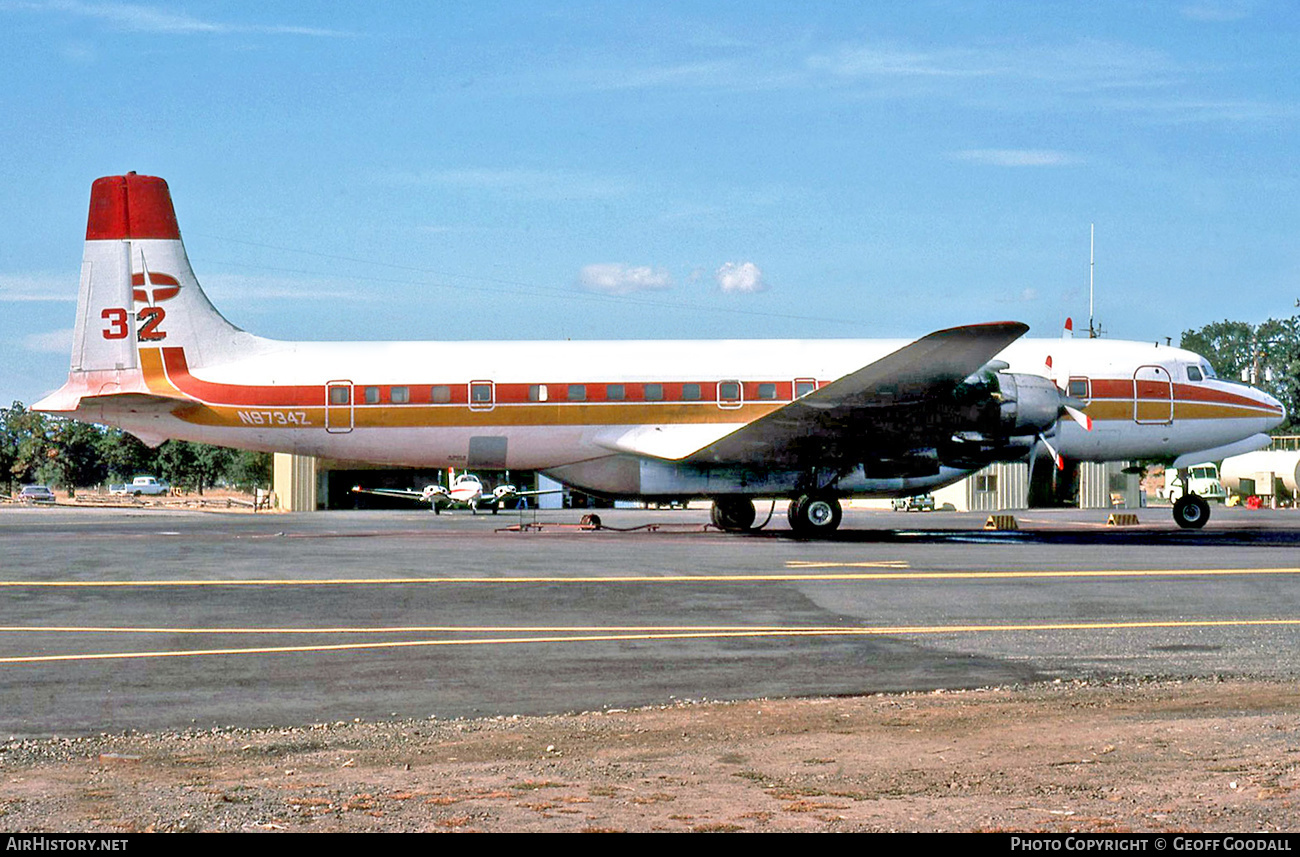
{"x": 1092, "y": 264}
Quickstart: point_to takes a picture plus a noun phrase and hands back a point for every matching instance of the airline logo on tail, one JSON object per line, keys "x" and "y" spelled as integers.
{"x": 149, "y": 319}
{"x": 165, "y": 286}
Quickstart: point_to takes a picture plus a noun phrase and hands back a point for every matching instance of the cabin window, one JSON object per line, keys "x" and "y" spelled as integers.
{"x": 372, "y": 395}
{"x": 1078, "y": 388}
{"x": 615, "y": 392}
{"x": 729, "y": 391}
{"x": 577, "y": 392}
{"x": 340, "y": 395}
{"x": 803, "y": 388}
{"x": 690, "y": 392}
{"x": 1194, "y": 373}
{"x": 480, "y": 394}
{"x": 400, "y": 395}
{"x": 440, "y": 394}
{"x": 538, "y": 393}
{"x": 767, "y": 391}
{"x": 654, "y": 392}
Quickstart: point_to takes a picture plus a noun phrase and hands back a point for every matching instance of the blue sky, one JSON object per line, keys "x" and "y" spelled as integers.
{"x": 661, "y": 170}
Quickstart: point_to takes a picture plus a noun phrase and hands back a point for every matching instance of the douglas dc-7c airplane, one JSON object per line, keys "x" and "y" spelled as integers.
{"x": 814, "y": 421}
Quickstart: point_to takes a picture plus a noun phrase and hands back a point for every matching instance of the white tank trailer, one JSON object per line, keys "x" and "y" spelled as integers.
{"x": 1282, "y": 463}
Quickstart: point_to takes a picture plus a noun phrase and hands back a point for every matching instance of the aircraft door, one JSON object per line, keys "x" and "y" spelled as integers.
{"x": 338, "y": 407}
{"x": 1153, "y": 396}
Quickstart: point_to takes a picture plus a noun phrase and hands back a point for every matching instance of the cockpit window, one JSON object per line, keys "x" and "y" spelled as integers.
{"x": 1194, "y": 373}
{"x": 1207, "y": 370}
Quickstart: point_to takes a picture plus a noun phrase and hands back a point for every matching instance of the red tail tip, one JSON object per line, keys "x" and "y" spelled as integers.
{"x": 1069, "y": 324}
{"x": 131, "y": 206}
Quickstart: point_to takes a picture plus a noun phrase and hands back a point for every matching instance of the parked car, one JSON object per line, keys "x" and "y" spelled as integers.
{"x": 919, "y": 503}
{"x": 147, "y": 485}
{"x": 36, "y": 494}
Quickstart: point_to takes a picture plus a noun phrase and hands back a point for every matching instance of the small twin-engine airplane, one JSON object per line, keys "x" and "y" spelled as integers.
{"x": 466, "y": 490}
{"x": 813, "y": 421}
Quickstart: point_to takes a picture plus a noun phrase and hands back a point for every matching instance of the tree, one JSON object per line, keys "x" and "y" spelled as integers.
{"x": 125, "y": 456}
{"x": 26, "y": 446}
{"x": 250, "y": 470}
{"x": 193, "y": 465}
{"x": 73, "y": 453}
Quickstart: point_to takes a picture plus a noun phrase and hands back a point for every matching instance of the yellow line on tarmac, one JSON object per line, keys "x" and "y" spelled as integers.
{"x": 667, "y": 635}
{"x": 663, "y": 578}
{"x": 1041, "y": 573}
{"x": 404, "y": 629}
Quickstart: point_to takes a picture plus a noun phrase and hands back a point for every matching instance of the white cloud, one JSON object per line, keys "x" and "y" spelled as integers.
{"x": 247, "y": 288}
{"x": 530, "y": 183}
{"x": 52, "y": 342}
{"x": 24, "y": 288}
{"x": 616, "y": 279}
{"x": 148, "y": 19}
{"x": 740, "y": 278}
{"x": 888, "y": 61}
{"x": 1219, "y": 11}
{"x": 1017, "y": 157}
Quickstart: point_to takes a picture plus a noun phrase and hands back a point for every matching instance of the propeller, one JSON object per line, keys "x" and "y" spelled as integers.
{"x": 1068, "y": 406}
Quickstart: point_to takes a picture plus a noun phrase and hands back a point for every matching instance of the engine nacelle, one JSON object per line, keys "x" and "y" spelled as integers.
{"x": 1029, "y": 404}
{"x": 1001, "y": 414}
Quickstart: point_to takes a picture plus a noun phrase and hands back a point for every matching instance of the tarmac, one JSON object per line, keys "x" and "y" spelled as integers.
{"x": 149, "y": 619}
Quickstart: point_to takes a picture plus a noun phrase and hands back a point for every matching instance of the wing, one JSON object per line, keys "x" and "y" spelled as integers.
{"x": 394, "y": 492}
{"x": 884, "y": 406}
{"x": 508, "y": 492}
{"x": 537, "y": 493}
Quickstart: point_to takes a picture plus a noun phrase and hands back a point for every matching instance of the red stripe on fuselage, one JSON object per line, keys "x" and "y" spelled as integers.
{"x": 178, "y": 372}
{"x": 250, "y": 395}
{"x": 1155, "y": 391}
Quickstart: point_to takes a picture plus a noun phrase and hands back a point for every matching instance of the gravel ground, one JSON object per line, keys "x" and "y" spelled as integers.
{"x": 1099, "y": 757}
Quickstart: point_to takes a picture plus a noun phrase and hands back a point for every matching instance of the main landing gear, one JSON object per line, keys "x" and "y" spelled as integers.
{"x": 810, "y": 515}
{"x": 733, "y": 514}
{"x": 815, "y": 514}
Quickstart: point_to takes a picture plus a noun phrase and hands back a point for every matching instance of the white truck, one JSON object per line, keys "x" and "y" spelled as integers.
{"x": 141, "y": 486}
{"x": 1202, "y": 479}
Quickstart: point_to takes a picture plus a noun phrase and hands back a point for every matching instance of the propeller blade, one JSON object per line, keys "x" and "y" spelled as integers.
{"x": 1056, "y": 456}
{"x": 1079, "y": 417}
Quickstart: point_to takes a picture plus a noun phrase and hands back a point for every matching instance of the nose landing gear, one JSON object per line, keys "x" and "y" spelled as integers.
{"x": 1191, "y": 511}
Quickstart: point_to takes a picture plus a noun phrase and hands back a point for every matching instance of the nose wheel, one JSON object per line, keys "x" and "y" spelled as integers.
{"x": 815, "y": 515}
{"x": 1191, "y": 512}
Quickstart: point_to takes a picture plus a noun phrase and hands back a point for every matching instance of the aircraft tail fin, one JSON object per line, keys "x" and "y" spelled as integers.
{"x": 138, "y": 291}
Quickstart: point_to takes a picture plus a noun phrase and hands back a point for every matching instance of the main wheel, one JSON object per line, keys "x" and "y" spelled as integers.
{"x": 815, "y": 515}
{"x": 1191, "y": 512}
{"x": 733, "y": 514}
